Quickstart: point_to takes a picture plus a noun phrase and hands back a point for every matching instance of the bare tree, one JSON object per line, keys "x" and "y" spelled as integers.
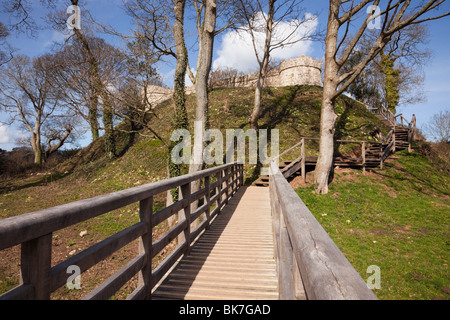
{"x": 438, "y": 128}
{"x": 389, "y": 19}
{"x": 135, "y": 74}
{"x": 99, "y": 90}
{"x": 206, "y": 11}
{"x": 221, "y": 74}
{"x": 208, "y": 14}
{"x": 160, "y": 24}
{"x": 27, "y": 94}
{"x": 22, "y": 19}
{"x": 261, "y": 25}
{"x": 395, "y": 77}
{"x": 165, "y": 31}
{"x": 5, "y": 55}
{"x": 79, "y": 95}
{"x": 401, "y": 63}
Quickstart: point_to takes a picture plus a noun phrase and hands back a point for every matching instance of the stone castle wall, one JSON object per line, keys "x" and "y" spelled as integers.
{"x": 302, "y": 70}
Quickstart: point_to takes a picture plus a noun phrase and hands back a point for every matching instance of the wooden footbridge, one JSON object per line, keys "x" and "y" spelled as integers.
{"x": 251, "y": 243}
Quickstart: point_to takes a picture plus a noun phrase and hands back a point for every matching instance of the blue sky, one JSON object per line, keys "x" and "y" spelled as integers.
{"x": 437, "y": 79}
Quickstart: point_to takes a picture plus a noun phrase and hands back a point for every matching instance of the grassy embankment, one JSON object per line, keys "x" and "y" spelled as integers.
{"x": 295, "y": 111}
{"x": 397, "y": 218}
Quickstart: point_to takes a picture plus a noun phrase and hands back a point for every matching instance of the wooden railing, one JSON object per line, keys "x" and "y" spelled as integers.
{"x": 387, "y": 146}
{"x": 389, "y": 143}
{"x": 300, "y": 162}
{"x": 411, "y": 125}
{"x": 305, "y": 251}
{"x": 385, "y": 112}
{"x": 34, "y": 232}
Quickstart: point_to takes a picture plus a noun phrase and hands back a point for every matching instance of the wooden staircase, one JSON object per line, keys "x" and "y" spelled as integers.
{"x": 287, "y": 168}
{"x": 373, "y": 154}
{"x": 401, "y": 137}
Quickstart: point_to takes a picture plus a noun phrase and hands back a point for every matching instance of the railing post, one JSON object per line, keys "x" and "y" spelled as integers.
{"x": 227, "y": 184}
{"x": 286, "y": 271}
{"x": 145, "y": 246}
{"x": 299, "y": 289}
{"x": 393, "y": 139}
{"x": 412, "y": 129}
{"x": 303, "y": 160}
{"x": 36, "y": 256}
{"x": 219, "y": 190}
{"x": 208, "y": 201}
{"x": 186, "y": 236}
{"x": 236, "y": 176}
{"x": 233, "y": 179}
{"x": 242, "y": 174}
{"x": 381, "y": 155}
{"x": 363, "y": 153}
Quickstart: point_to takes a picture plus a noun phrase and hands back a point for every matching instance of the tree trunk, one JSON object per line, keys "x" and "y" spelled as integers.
{"x": 263, "y": 65}
{"x": 98, "y": 90}
{"x": 110, "y": 144}
{"x": 179, "y": 96}
{"x": 62, "y": 139}
{"x": 257, "y": 106}
{"x": 206, "y": 43}
{"x": 324, "y": 164}
{"x": 328, "y": 117}
{"x": 93, "y": 71}
{"x": 93, "y": 121}
{"x": 36, "y": 145}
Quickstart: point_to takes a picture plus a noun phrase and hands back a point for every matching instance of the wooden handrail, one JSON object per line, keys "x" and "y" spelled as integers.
{"x": 387, "y": 114}
{"x": 387, "y": 137}
{"x": 302, "y": 143}
{"x": 305, "y": 251}
{"x": 34, "y": 231}
{"x": 300, "y": 161}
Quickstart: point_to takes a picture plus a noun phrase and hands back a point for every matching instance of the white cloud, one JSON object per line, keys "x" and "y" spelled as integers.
{"x": 4, "y": 134}
{"x": 55, "y": 37}
{"x": 7, "y": 135}
{"x": 237, "y": 50}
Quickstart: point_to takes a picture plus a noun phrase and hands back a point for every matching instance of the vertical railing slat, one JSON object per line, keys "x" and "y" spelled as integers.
{"x": 186, "y": 237}
{"x": 208, "y": 201}
{"x": 145, "y": 246}
{"x": 36, "y": 250}
{"x": 36, "y": 256}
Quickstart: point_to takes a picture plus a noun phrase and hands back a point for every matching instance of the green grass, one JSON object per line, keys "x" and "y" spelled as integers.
{"x": 397, "y": 219}
{"x": 142, "y": 159}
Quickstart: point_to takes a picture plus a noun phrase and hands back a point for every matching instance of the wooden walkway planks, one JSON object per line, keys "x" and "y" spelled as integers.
{"x": 234, "y": 259}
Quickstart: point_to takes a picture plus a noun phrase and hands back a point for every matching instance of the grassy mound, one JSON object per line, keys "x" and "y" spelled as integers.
{"x": 397, "y": 219}
{"x": 142, "y": 158}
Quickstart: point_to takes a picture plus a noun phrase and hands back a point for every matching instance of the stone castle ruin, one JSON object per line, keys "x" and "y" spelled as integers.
{"x": 302, "y": 70}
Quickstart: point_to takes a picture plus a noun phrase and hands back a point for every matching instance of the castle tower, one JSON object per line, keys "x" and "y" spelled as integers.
{"x": 302, "y": 70}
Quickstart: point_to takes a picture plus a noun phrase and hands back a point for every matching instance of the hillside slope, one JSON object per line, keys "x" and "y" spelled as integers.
{"x": 295, "y": 111}
{"x": 396, "y": 218}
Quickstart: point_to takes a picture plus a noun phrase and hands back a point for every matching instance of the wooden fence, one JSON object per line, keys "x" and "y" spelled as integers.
{"x": 300, "y": 162}
{"x": 385, "y": 112}
{"x": 34, "y": 232}
{"x": 305, "y": 251}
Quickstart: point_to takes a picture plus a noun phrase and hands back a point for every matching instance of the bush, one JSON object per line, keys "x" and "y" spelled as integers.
{"x": 438, "y": 153}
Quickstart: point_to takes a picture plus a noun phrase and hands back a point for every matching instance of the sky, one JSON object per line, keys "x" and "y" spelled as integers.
{"x": 235, "y": 51}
